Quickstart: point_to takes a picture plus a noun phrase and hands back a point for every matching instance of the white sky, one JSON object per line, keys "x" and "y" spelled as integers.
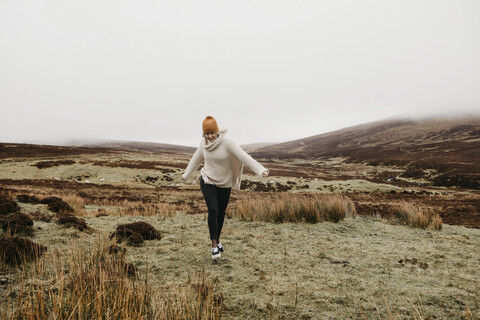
{"x": 267, "y": 70}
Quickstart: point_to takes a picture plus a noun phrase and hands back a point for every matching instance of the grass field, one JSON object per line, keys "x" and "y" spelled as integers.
{"x": 358, "y": 268}
{"x": 366, "y": 266}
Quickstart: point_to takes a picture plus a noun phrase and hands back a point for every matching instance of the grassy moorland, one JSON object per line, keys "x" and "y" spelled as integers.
{"x": 360, "y": 267}
{"x": 286, "y": 257}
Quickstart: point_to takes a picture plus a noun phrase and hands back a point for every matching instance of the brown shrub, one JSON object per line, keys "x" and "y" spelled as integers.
{"x": 135, "y": 240}
{"x": 68, "y": 220}
{"x": 49, "y": 164}
{"x": 48, "y": 200}
{"x": 25, "y": 198}
{"x": 145, "y": 230}
{"x": 17, "y": 223}
{"x": 16, "y": 250}
{"x": 56, "y": 205}
{"x": 7, "y": 205}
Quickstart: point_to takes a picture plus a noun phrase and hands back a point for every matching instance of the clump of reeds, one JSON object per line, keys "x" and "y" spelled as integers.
{"x": 416, "y": 216}
{"x": 76, "y": 202}
{"x": 295, "y": 208}
{"x": 91, "y": 283}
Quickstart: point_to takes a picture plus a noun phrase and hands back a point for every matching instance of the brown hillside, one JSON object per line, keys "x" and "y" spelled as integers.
{"x": 451, "y": 147}
{"x": 143, "y": 146}
{"x": 20, "y": 150}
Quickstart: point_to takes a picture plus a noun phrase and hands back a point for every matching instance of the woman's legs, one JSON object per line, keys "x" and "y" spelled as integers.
{"x": 223, "y": 196}
{"x": 217, "y": 202}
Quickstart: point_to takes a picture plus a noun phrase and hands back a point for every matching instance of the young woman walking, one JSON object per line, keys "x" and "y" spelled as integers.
{"x": 222, "y": 171}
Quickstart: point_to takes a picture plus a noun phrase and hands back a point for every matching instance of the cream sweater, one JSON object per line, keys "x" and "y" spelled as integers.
{"x": 224, "y": 161}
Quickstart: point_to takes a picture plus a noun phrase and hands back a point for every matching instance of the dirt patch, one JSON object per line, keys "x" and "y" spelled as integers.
{"x": 17, "y": 223}
{"x": 25, "y": 198}
{"x": 56, "y": 204}
{"x": 132, "y": 232}
{"x": 16, "y": 250}
{"x": 68, "y": 220}
{"x": 415, "y": 262}
{"x": 49, "y": 164}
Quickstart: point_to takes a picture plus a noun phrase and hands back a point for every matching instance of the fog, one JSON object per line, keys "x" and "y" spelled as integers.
{"x": 269, "y": 71}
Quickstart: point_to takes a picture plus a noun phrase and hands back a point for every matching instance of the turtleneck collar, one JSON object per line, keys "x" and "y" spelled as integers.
{"x": 210, "y": 146}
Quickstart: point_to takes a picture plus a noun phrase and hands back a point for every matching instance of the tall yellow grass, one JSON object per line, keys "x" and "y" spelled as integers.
{"x": 416, "y": 216}
{"x": 290, "y": 207}
{"x": 76, "y": 202}
{"x": 93, "y": 284}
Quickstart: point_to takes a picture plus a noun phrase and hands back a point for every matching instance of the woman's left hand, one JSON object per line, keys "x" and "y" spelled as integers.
{"x": 265, "y": 174}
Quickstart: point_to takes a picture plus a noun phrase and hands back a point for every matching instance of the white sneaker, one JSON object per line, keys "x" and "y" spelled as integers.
{"x": 220, "y": 248}
{"x": 216, "y": 253}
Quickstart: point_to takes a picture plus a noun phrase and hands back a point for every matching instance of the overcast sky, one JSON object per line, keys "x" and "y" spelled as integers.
{"x": 267, "y": 70}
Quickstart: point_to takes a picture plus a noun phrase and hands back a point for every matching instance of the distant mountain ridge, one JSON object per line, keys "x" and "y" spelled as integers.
{"x": 397, "y": 136}
{"x": 136, "y": 146}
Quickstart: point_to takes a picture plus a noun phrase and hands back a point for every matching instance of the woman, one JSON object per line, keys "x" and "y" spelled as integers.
{"x": 221, "y": 173}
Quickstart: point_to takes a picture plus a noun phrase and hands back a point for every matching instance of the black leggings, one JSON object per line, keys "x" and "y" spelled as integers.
{"x": 217, "y": 202}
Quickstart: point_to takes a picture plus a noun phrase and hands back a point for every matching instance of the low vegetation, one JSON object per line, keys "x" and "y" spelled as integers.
{"x": 416, "y": 216}
{"x": 295, "y": 208}
{"x": 91, "y": 283}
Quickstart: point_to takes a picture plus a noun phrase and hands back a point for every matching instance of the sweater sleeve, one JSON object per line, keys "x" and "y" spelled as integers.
{"x": 194, "y": 163}
{"x": 241, "y": 155}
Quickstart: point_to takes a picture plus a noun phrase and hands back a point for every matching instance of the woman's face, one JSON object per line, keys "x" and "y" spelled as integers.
{"x": 211, "y": 136}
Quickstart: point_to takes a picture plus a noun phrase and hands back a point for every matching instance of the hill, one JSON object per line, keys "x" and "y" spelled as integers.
{"x": 137, "y": 146}
{"x": 449, "y": 147}
{"x": 14, "y": 150}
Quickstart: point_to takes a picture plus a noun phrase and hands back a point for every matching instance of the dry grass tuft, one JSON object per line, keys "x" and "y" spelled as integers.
{"x": 417, "y": 217}
{"x": 92, "y": 284}
{"x": 198, "y": 300}
{"x": 295, "y": 208}
{"x": 76, "y": 202}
